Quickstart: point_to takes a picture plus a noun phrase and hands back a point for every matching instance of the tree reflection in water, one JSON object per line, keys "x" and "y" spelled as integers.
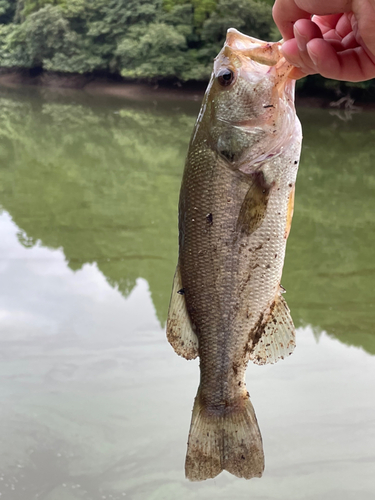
{"x": 99, "y": 178}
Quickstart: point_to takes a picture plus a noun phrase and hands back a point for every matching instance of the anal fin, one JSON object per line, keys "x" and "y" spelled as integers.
{"x": 180, "y": 331}
{"x": 277, "y": 340}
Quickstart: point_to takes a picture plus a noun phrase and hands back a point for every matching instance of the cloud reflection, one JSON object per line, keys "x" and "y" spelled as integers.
{"x": 93, "y": 394}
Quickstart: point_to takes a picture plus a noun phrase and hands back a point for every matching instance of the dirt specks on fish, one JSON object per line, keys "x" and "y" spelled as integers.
{"x": 240, "y": 173}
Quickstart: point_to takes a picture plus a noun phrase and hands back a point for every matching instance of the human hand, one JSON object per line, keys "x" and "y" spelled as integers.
{"x": 335, "y": 38}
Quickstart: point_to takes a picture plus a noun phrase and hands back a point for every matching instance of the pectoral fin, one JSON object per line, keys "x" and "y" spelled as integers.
{"x": 180, "y": 331}
{"x": 254, "y": 206}
{"x": 277, "y": 340}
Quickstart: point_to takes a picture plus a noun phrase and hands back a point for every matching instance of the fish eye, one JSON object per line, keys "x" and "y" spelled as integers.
{"x": 225, "y": 77}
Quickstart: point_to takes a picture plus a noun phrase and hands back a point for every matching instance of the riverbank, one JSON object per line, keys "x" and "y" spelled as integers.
{"x": 103, "y": 85}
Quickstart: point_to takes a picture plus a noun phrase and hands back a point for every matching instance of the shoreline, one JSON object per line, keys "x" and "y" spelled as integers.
{"x": 139, "y": 91}
{"x": 103, "y": 85}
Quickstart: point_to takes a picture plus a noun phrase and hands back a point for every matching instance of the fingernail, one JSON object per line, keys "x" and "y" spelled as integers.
{"x": 300, "y": 39}
{"x": 312, "y": 55}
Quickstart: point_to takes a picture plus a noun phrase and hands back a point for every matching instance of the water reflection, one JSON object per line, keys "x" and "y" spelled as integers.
{"x": 329, "y": 265}
{"x": 94, "y": 403}
{"x": 101, "y": 183}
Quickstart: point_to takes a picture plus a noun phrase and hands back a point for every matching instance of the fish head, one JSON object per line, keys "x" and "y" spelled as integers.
{"x": 249, "y": 105}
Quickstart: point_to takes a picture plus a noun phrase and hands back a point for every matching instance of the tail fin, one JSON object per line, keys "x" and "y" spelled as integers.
{"x": 231, "y": 441}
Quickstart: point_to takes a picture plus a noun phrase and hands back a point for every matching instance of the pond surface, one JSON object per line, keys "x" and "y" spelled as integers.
{"x": 94, "y": 402}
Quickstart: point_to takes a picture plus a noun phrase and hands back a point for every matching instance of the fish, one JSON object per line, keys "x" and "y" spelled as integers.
{"x": 235, "y": 211}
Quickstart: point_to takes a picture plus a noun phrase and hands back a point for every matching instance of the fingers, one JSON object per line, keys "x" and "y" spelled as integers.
{"x": 296, "y": 74}
{"x": 335, "y": 38}
{"x": 339, "y": 24}
{"x": 321, "y": 57}
{"x": 343, "y": 26}
{"x": 292, "y": 54}
{"x": 336, "y": 57}
{"x": 327, "y": 23}
{"x": 349, "y": 42}
{"x": 295, "y": 49}
{"x": 349, "y": 65}
{"x": 305, "y": 30}
{"x": 287, "y": 12}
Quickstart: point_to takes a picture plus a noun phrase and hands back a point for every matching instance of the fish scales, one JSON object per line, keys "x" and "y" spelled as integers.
{"x": 235, "y": 210}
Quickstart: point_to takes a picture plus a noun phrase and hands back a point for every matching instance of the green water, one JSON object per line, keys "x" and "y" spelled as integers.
{"x": 94, "y": 403}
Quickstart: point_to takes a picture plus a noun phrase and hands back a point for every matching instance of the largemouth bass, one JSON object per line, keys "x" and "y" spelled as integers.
{"x": 235, "y": 212}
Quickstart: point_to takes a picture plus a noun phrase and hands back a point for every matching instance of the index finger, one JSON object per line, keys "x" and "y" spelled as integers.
{"x": 287, "y": 12}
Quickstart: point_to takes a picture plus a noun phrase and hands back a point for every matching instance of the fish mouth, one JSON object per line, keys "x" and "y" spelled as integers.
{"x": 266, "y": 53}
{"x": 256, "y": 57}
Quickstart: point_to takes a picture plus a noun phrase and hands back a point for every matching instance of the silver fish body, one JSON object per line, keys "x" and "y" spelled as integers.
{"x": 235, "y": 211}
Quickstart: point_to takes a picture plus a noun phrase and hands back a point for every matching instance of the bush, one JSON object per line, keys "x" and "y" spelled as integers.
{"x": 147, "y": 39}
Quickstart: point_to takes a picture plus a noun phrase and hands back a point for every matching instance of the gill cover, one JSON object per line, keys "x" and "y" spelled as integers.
{"x": 251, "y": 101}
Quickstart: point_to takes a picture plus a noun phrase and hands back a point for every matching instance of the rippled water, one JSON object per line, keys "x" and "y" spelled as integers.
{"x": 94, "y": 403}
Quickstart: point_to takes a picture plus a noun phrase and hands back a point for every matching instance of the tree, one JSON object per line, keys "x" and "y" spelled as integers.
{"x": 156, "y": 52}
{"x": 7, "y": 11}
{"x": 252, "y": 17}
{"x": 45, "y": 40}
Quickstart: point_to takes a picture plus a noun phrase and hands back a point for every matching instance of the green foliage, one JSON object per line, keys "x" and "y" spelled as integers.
{"x": 7, "y": 11}
{"x": 187, "y": 36}
{"x": 148, "y": 39}
{"x": 143, "y": 39}
{"x": 108, "y": 22}
{"x": 31, "y": 6}
{"x": 202, "y": 8}
{"x": 251, "y": 17}
{"x": 43, "y": 34}
{"x": 7, "y": 59}
{"x": 46, "y": 40}
{"x": 157, "y": 52}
